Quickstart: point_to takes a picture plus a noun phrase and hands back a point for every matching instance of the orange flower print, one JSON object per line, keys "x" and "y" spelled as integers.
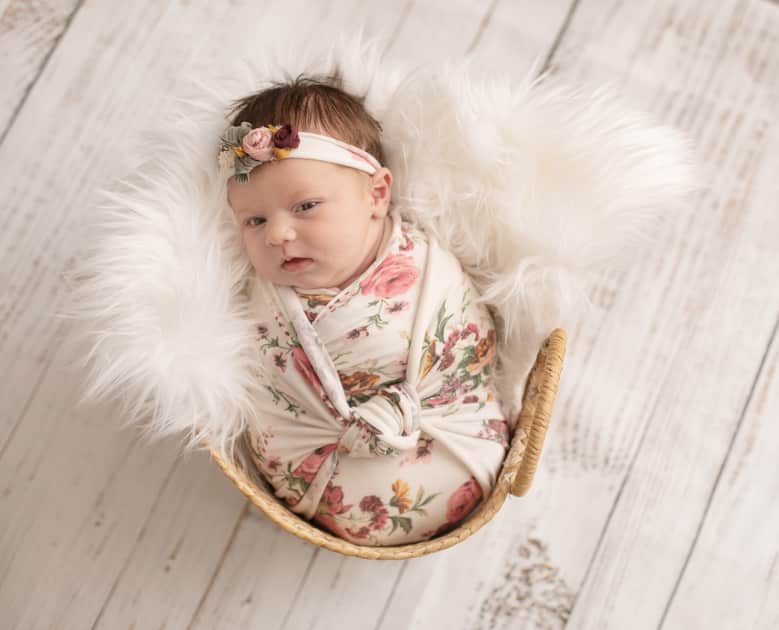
{"x": 400, "y": 498}
{"x": 485, "y": 352}
{"x": 358, "y": 382}
{"x": 316, "y": 299}
{"x": 463, "y": 500}
{"x": 428, "y": 359}
{"x": 394, "y": 275}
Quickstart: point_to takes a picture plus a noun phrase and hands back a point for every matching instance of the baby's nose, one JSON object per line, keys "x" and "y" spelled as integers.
{"x": 279, "y": 230}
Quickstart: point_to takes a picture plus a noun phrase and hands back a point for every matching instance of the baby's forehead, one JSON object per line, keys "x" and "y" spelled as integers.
{"x": 284, "y": 180}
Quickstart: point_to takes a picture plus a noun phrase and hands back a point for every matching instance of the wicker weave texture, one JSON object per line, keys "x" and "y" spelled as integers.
{"x": 515, "y": 477}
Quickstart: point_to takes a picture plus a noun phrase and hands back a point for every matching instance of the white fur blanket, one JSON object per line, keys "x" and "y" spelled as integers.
{"x": 532, "y": 186}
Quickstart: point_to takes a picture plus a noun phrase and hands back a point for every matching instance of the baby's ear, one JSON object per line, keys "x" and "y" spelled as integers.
{"x": 381, "y": 191}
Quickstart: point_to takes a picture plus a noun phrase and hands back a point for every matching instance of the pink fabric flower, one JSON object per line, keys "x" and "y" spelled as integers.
{"x": 463, "y": 500}
{"x": 394, "y": 276}
{"x": 258, "y": 144}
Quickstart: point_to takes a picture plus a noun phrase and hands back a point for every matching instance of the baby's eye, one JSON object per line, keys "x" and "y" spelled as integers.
{"x": 307, "y": 205}
{"x": 254, "y": 221}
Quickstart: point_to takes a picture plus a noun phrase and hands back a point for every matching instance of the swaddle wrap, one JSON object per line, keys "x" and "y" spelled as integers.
{"x": 396, "y": 361}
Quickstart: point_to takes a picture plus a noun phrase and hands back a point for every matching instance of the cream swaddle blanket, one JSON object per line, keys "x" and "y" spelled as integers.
{"x": 379, "y": 420}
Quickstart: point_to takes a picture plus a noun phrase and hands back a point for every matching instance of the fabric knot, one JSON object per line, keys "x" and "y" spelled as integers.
{"x": 394, "y": 412}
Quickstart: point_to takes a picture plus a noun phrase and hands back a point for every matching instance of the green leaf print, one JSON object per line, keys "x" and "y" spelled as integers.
{"x": 439, "y": 331}
{"x": 400, "y": 521}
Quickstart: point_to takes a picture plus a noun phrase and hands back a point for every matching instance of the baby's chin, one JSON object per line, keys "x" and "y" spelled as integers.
{"x": 300, "y": 282}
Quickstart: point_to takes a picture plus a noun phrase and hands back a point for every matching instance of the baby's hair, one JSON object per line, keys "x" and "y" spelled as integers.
{"x": 316, "y": 104}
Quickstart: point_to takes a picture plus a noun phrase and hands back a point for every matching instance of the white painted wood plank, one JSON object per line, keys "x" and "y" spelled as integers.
{"x": 629, "y": 365}
{"x": 28, "y": 32}
{"x": 732, "y": 578}
{"x": 714, "y": 73}
{"x": 138, "y": 52}
{"x": 77, "y": 493}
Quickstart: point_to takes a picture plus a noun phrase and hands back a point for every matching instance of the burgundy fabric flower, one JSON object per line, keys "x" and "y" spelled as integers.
{"x": 286, "y": 137}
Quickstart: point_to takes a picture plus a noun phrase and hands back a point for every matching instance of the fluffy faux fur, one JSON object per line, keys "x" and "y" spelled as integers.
{"x": 532, "y": 185}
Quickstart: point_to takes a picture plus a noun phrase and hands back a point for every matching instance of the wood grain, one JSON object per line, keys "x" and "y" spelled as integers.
{"x": 655, "y": 501}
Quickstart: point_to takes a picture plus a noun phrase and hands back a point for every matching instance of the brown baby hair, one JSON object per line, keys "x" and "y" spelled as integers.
{"x": 319, "y": 104}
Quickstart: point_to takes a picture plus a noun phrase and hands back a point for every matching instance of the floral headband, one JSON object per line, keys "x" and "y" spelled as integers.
{"x": 244, "y": 148}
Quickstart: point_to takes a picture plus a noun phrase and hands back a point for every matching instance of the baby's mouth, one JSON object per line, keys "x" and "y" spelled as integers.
{"x": 296, "y": 264}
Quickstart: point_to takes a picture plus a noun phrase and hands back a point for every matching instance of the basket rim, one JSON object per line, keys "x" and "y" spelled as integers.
{"x": 512, "y": 479}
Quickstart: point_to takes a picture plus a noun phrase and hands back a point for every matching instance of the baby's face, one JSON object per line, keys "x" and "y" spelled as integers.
{"x": 329, "y": 215}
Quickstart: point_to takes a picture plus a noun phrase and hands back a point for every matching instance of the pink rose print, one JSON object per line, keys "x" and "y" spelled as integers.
{"x": 333, "y": 498}
{"x": 452, "y": 339}
{"x": 446, "y": 361}
{"x": 408, "y": 244}
{"x": 471, "y": 399}
{"x": 501, "y": 430}
{"x": 372, "y": 503}
{"x": 463, "y": 500}
{"x": 394, "y": 276}
{"x": 422, "y": 453}
{"x": 303, "y": 366}
{"x": 470, "y": 329}
{"x": 273, "y": 464}
{"x": 357, "y": 333}
{"x": 258, "y": 144}
{"x": 327, "y": 521}
{"x": 438, "y": 401}
{"x": 360, "y": 533}
{"x": 309, "y": 467}
{"x": 497, "y": 430}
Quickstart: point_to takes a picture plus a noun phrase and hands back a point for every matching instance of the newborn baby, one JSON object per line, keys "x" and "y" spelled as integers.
{"x": 380, "y": 421}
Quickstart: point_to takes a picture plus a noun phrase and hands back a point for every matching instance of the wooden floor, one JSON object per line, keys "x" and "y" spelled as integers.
{"x": 657, "y": 502}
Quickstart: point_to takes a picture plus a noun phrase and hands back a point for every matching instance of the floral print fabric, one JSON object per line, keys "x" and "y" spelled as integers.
{"x": 380, "y": 421}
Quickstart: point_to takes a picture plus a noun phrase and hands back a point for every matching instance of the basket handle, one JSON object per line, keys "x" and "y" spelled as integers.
{"x": 536, "y": 412}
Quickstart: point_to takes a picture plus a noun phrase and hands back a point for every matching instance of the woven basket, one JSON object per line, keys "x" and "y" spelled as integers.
{"x": 515, "y": 477}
